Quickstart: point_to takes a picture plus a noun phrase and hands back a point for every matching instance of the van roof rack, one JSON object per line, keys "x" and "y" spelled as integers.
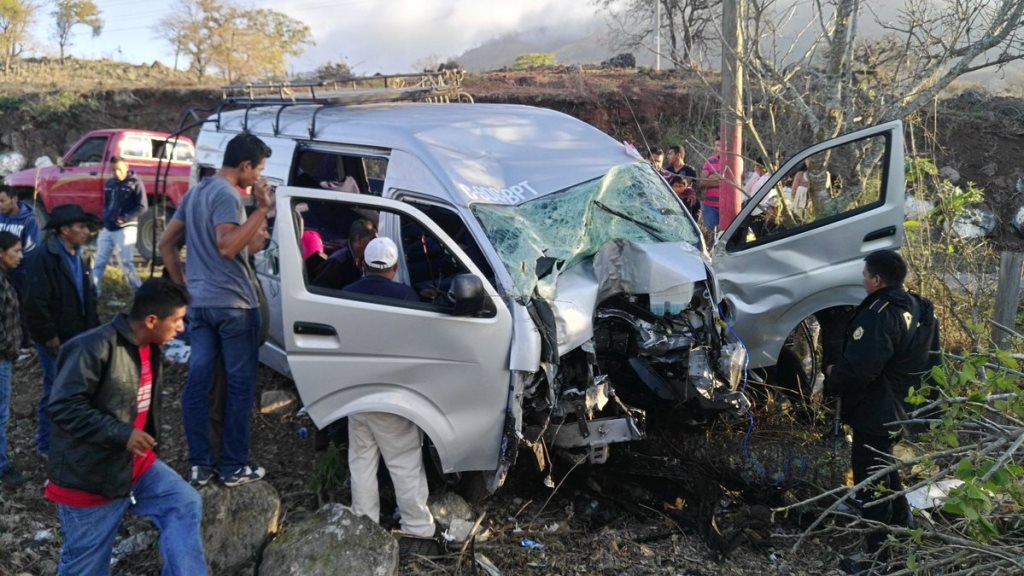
{"x": 441, "y": 86}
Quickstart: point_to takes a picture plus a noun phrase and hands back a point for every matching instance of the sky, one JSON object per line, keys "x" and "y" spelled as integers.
{"x": 372, "y": 36}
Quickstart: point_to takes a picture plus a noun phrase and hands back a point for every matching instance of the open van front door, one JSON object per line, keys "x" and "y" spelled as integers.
{"x": 440, "y": 363}
{"x": 798, "y": 246}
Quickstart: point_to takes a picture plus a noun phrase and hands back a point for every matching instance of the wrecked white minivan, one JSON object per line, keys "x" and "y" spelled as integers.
{"x": 564, "y": 288}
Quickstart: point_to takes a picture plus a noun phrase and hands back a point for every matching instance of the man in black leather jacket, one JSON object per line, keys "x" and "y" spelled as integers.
{"x": 105, "y": 412}
{"x": 891, "y": 344}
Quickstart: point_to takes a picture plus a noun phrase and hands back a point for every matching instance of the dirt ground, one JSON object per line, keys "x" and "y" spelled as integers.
{"x": 593, "y": 522}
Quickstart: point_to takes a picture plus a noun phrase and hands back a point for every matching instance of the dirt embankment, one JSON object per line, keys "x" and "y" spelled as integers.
{"x": 982, "y": 138}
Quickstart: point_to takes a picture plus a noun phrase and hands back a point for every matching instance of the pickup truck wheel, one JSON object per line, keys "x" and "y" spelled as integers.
{"x": 153, "y": 221}
{"x": 39, "y": 210}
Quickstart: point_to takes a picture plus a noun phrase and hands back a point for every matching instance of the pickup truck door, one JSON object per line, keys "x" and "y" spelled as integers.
{"x": 349, "y": 353}
{"x": 809, "y": 258}
{"x": 80, "y": 180}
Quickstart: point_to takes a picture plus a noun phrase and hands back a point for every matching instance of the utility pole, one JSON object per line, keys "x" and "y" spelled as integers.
{"x": 731, "y": 131}
{"x": 657, "y": 35}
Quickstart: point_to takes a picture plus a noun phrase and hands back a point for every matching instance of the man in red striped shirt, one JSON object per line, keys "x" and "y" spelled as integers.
{"x": 710, "y": 181}
{"x": 101, "y": 464}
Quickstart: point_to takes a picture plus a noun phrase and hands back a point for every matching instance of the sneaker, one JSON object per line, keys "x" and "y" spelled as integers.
{"x": 243, "y": 475}
{"x": 200, "y": 476}
{"x": 12, "y": 478}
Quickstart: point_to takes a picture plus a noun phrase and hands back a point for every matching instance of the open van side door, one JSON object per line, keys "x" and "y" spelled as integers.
{"x": 788, "y": 254}
{"x": 445, "y": 370}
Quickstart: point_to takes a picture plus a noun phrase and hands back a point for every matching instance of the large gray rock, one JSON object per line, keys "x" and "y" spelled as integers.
{"x": 237, "y": 522}
{"x": 277, "y": 402}
{"x": 333, "y": 541}
{"x": 448, "y": 506}
{"x": 949, "y": 173}
{"x": 975, "y": 222}
{"x": 1018, "y": 222}
{"x": 453, "y": 514}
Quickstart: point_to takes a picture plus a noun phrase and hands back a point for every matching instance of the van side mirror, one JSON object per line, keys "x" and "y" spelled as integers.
{"x": 468, "y": 297}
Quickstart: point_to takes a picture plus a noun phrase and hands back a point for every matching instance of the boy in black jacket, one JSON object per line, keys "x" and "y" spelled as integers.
{"x": 105, "y": 410}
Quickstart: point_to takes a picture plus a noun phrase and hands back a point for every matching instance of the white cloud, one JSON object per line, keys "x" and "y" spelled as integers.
{"x": 376, "y": 37}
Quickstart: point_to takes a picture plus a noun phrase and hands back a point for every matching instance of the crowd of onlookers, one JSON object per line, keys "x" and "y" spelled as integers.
{"x": 701, "y": 191}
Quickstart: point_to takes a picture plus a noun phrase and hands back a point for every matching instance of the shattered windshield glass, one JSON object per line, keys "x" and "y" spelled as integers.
{"x": 541, "y": 237}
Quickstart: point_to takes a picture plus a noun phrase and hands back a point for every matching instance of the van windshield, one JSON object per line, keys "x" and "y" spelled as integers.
{"x": 559, "y": 230}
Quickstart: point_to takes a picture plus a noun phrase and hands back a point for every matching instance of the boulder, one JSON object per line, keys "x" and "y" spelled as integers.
{"x": 11, "y": 162}
{"x": 975, "y": 222}
{"x": 453, "y": 514}
{"x": 949, "y": 173}
{"x": 1018, "y": 222}
{"x": 277, "y": 402}
{"x": 333, "y": 541}
{"x": 917, "y": 209}
{"x": 237, "y": 522}
{"x": 448, "y": 506}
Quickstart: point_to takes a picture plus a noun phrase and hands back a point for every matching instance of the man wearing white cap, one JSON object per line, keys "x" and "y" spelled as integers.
{"x": 372, "y": 434}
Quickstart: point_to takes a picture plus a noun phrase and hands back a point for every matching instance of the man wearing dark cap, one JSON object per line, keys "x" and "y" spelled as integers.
{"x": 61, "y": 303}
{"x": 375, "y": 434}
{"x": 891, "y": 344}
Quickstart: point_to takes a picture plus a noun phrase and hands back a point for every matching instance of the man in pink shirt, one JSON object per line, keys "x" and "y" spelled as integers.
{"x": 710, "y": 182}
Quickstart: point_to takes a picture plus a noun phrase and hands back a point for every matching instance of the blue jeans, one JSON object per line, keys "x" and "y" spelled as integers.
{"x": 710, "y": 217}
{"x": 123, "y": 243}
{"x": 160, "y": 495}
{"x": 234, "y": 335}
{"x": 48, "y": 362}
{"x": 5, "y": 411}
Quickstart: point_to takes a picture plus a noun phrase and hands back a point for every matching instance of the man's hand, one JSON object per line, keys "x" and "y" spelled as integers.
{"x": 53, "y": 346}
{"x": 139, "y": 442}
{"x": 261, "y": 190}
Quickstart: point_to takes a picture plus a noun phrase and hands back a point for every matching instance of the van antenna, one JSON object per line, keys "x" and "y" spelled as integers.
{"x": 637, "y": 122}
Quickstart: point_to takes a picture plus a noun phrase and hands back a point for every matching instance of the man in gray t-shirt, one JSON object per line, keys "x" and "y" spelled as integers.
{"x": 224, "y": 320}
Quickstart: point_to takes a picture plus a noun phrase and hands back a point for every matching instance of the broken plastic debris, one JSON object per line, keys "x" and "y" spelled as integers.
{"x": 932, "y": 495}
{"x": 43, "y": 535}
{"x": 486, "y": 565}
{"x": 549, "y": 482}
{"x": 531, "y": 544}
{"x": 135, "y": 543}
{"x": 178, "y": 352}
{"x": 553, "y": 527}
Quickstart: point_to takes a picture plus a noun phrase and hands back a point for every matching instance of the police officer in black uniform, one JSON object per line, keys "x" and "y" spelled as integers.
{"x": 888, "y": 349}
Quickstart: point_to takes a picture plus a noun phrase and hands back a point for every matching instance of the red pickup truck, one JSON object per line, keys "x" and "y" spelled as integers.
{"x": 79, "y": 176}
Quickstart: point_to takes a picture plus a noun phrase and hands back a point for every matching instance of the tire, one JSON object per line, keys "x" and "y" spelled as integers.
{"x": 152, "y": 222}
{"x": 473, "y": 486}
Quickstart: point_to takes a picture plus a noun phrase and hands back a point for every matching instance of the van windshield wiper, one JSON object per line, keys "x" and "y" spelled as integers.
{"x": 647, "y": 227}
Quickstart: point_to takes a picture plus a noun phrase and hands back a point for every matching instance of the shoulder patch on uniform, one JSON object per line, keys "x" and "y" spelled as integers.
{"x": 908, "y": 319}
{"x": 878, "y": 305}
{"x": 858, "y": 333}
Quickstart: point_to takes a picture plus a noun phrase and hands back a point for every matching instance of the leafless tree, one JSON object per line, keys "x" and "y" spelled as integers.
{"x": 836, "y": 81}
{"x": 687, "y": 27}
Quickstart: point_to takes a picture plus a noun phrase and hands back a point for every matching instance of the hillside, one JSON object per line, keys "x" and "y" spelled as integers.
{"x": 981, "y": 137}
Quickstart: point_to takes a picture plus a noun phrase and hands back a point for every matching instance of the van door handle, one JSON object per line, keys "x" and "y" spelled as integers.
{"x": 314, "y": 329}
{"x": 881, "y": 233}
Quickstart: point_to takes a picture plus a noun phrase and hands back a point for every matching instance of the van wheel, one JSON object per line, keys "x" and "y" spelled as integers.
{"x": 151, "y": 227}
{"x": 473, "y": 486}
{"x": 39, "y": 210}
